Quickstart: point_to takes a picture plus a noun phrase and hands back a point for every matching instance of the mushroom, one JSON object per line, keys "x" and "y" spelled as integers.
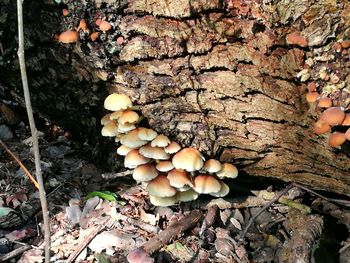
{"x": 160, "y": 187}
{"x": 346, "y": 121}
{"x": 144, "y": 173}
{"x": 188, "y": 159}
{"x": 321, "y": 127}
{"x": 128, "y": 116}
{"x": 106, "y": 119}
{"x": 206, "y": 184}
{"x": 312, "y": 96}
{"x": 133, "y": 159}
{"x": 139, "y": 255}
{"x": 156, "y": 153}
{"x": 116, "y": 102}
{"x": 110, "y": 129}
{"x": 164, "y": 166}
{"x": 179, "y": 178}
{"x": 347, "y": 134}
{"x": 172, "y": 148}
{"x": 336, "y": 139}
{"x": 325, "y": 102}
{"x": 105, "y": 26}
{"x": 187, "y": 196}
{"x": 69, "y": 36}
{"x": 126, "y": 127}
{"x": 212, "y": 166}
{"x": 123, "y": 150}
{"x": 132, "y": 139}
{"x": 228, "y": 171}
{"x": 163, "y": 201}
{"x": 147, "y": 134}
{"x": 333, "y": 116}
{"x": 223, "y": 191}
{"x": 160, "y": 141}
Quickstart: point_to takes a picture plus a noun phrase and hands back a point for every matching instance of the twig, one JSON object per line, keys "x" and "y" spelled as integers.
{"x": 115, "y": 175}
{"x": 144, "y": 226}
{"x": 33, "y": 130}
{"x": 273, "y": 200}
{"x": 172, "y": 232}
{"x": 20, "y": 164}
{"x": 14, "y": 253}
{"x": 95, "y": 230}
{"x": 209, "y": 219}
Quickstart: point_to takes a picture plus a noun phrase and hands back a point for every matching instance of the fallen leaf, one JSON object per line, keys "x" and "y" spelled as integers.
{"x": 32, "y": 256}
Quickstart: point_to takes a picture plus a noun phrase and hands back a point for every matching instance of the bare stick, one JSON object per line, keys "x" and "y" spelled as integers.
{"x": 20, "y": 164}
{"x": 14, "y": 253}
{"x": 33, "y": 130}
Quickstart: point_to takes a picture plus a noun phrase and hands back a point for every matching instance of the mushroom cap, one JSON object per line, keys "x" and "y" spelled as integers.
{"x": 147, "y": 134}
{"x": 162, "y": 201}
{"x": 69, "y": 36}
{"x": 116, "y": 114}
{"x": 312, "y": 96}
{"x": 123, "y": 128}
{"x": 139, "y": 255}
{"x": 164, "y": 166}
{"x": 333, "y": 116}
{"x": 128, "y": 116}
{"x": 145, "y": 172}
{"x": 123, "y": 150}
{"x": 132, "y": 139}
{"x": 172, "y": 148}
{"x": 160, "y": 186}
{"x": 110, "y": 129}
{"x": 187, "y": 196}
{"x": 346, "y": 121}
{"x": 228, "y": 171}
{"x": 106, "y": 119}
{"x": 179, "y": 178}
{"x": 105, "y": 26}
{"x": 223, "y": 191}
{"x": 134, "y": 158}
{"x": 325, "y": 102}
{"x": 160, "y": 141}
{"x": 116, "y": 102}
{"x": 321, "y": 127}
{"x": 336, "y": 139}
{"x": 188, "y": 159}
{"x": 157, "y": 153}
{"x": 212, "y": 166}
{"x": 206, "y": 184}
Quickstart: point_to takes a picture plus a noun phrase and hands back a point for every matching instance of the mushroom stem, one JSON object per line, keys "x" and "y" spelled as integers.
{"x": 135, "y": 108}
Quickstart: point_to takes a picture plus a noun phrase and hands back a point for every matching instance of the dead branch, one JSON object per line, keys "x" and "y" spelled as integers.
{"x": 14, "y": 253}
{"x": 209, "y": 219}
{"x": 33, "y": 130}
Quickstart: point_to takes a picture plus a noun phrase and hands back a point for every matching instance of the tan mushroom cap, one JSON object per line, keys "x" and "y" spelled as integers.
{"x": 206, "y": 184}
{"x": 147, "y": 134}
{"x": 160, "y": 141}
{"x": 228, "y": 171}
{"x": 133, "y": 159}
{"x": 325, "y": 102}
{"x": 132, "y": 139}
{"x": 172, "y": 148}
{"x": 164, "y": 166}
{"x": 212, "y": 166}
{"x": 128, "y": 116}
{"x": 188, "y": 159}
{"x": 160, "y": 186}
{"x": 346, "y": 121}
{"x": 157, "y": 153}
{"x": 124, "y": 128}
{"x": 336, "y": 139}
{"x": 321, "y": 127}
{"x": 179, "y": 178}
{"x": 116, "y": 102}
{"x": 312, "y": 96}
{"x": 110, "y": 129}
{"x": 223, "y": 191}
{"x": 145, "y": 172}
{"x": 106, "y": 119}
{"x": 115, "y": 115}
{"x": 162, "y": 201}
{"x": 187, "y": 196}
{"x": 333, "y": 116}
{"x": 123, "y": 150}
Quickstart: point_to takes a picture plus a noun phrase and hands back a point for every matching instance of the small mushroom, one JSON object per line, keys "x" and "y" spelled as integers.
{"x": 188, "y": 159}
{"x": 206, "y": 184}
{"x": 128, "y": 116}
{"x": 172, "y": 148}
{"x": 162, "y": 201}
{"x": 160, "y": 187}
{"x": 133, "y": 159}
{"x": 110, "y": 129}
{"x": 347, "y": 134}
{"x": 126, "y": 127}
{"x": 346, "y": 121}
{"x": 156, "y": 153}
{"x": 160, "y": 141}
{"x": 223, "y": 191}
{"x": 212, "y": 166}
{"x": 132, "y": 140}
{"x": 144, "y": 173}
{"x": 336, "y": 139}
{"x": 228, "y": 171}
{"x": 312, "y": 96}
{"x": 123, "y": 150}
{"x": 187, "y": 196}
{"x": 106, "y": 119}
{"x": 321, "y": 127}
{"x": 104, "y": 26}
{"x": 164, "y": 166}
{"x": 325, "y": 102}
{"x": 69, "y": 36}
{"x": 333, "y": 116}
{"x": 116, "y": 102}
{"x": 147, "y": 134}
{"x": 179, "y": 178}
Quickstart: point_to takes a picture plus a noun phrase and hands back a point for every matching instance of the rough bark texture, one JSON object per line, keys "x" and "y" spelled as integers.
{"x": 215, "y": 75}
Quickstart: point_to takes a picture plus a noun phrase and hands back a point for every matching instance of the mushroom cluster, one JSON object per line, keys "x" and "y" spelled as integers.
{"x": 171, "y": 174}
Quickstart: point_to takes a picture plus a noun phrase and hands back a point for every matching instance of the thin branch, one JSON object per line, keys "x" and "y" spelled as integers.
{"x": 33, "y": 130}
{"x": 31, "y": 177}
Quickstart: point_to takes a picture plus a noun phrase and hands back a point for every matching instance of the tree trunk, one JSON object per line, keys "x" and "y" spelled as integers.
{"x": 218, "y": 76}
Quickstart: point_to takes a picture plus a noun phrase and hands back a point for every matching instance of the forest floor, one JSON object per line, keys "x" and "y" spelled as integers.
{"x": 93, "y": 219}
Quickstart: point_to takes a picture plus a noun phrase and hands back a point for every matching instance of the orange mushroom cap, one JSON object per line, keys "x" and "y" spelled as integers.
{"x": 333, "y": 116}
{"x": 321, "y": 127}
{"x": 69, "y": 36}
{"x": 346, "y": 121}
{"x": 105, "y": 26}
{"x": 336, "y": 139}
{"x": 347, "y": 134}
{"x": 312, "y": 96}
{"x": 325, "y": 102}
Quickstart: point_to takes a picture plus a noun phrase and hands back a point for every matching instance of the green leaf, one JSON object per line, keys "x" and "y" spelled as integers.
{"x": 107, "y": 195}
{"x": 4, "y": 211}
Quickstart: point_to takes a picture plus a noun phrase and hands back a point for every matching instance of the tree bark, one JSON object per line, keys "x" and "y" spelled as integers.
{"x": 215, "y": 75}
